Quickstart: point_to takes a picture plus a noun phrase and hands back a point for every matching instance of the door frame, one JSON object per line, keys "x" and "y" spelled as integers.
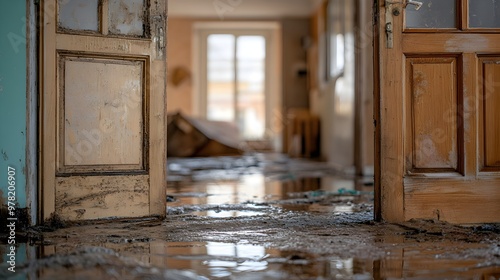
{"x": 376, "y": 112}
{"x": 32, "y": 118}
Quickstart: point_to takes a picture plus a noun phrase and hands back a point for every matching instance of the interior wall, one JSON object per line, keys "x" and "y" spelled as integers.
{"x": 342, "y": 146}
{"x": 13, "y": 102}
{"x": 364, "y": 47}
{"x": 179, "y": 53}
{"x": 295, "y": 93}
{"x": 332, "y": 98}
{"x": 320, "y": 88}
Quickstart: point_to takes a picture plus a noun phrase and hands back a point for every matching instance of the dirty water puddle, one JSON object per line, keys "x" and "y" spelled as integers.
{"x": 156, "y": 259}
{"x": 266, "y": 219}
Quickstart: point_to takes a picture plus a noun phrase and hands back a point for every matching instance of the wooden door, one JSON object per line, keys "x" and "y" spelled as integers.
{"x": 103, "y": 108}
{"x": 437, "y": 119}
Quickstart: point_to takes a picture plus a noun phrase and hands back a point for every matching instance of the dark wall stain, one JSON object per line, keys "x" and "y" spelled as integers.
{"x": 5, "y": 156}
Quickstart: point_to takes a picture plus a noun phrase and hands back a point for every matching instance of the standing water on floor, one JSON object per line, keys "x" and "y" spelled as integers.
{"x": 236, "y": 186}
{"x": 249, "y": 218}
{"x": 293, "y": 219}
{"x": 254, "y": 255}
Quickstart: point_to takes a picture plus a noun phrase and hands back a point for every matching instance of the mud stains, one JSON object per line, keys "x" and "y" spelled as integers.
{"x": 21, "y": 214}
{"x": 420, "y": 84}
{"x": 102, "y": 197}
{"x": 291, "y": 232}
{"x": 454, "y": 44}
{"x": 433, "y": 153}
{"x": 279, "y": 245}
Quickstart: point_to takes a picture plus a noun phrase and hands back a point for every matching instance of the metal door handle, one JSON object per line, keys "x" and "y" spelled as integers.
{"x": 389, "y": 12}
{"x": 417, "y": 4}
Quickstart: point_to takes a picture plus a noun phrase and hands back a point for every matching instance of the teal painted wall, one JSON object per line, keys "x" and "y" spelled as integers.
{"x": 13, "y": 96}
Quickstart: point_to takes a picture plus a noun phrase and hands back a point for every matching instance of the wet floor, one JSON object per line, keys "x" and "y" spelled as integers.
{"x": 260, "y": 217}
{"x": 229, "y": 186}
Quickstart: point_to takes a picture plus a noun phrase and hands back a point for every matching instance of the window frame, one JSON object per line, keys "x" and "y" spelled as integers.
{"x": 270, "y": 31}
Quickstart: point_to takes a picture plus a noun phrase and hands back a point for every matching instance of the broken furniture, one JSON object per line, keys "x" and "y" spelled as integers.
{"x": 196, "y": 137}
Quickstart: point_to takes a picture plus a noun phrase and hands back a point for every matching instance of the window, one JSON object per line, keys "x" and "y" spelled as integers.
{"x": 235, "y": 78}
{"x": 236, "y": 81}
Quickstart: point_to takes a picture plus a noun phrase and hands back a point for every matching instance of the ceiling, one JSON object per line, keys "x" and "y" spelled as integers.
{"x": 224, "y": 9}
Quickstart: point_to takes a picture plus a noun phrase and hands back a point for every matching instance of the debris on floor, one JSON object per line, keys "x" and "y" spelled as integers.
{"x": 196, "y": 137}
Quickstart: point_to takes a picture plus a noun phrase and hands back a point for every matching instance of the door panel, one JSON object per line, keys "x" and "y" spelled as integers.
{"x": 437, "y": 131}
{"x": 431, "y": 137}
{"x": 489, "y": 114}
{"x": 92, "y": 197}
{"x": 103, "y": 115}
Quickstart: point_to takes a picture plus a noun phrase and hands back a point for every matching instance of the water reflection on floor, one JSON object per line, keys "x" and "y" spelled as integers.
{"x": 242, "y": 260}
{"x": 249, "y": 218}
{"x": 245, "y": 261}
{"x": 219, "y": 189}
{"x": 240, "y": 197}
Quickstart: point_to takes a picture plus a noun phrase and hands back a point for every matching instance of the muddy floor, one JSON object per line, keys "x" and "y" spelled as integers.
{"x": 260, "y": 217}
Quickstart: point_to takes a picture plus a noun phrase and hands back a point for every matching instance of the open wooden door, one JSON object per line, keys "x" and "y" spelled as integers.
{"x": 438, "y": 115}
{"x": 103, "y": 108}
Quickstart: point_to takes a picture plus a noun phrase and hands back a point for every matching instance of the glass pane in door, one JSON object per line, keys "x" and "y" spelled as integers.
{"x": 126, "y": 17}
{"x": 79, "y": 15}
{"x": 432, "y": 14}
{"x": 484, "y": 13}
{"x": 251, "y": 55}
{"x": 220, "y": 77}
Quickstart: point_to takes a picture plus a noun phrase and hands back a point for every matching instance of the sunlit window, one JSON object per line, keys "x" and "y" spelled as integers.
{"x": 236, "y": 71}
{"x": 221, "y": 77}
